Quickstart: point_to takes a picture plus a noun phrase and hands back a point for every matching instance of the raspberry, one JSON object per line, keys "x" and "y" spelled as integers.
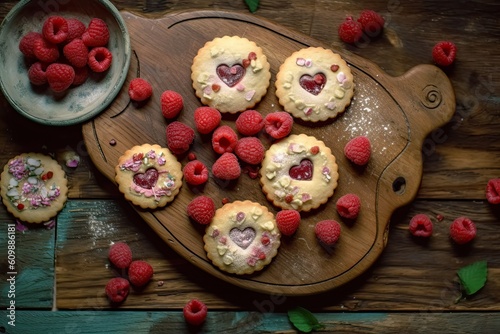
{"x": 226, "y": 167}
{"x": 371, "y": 22}
{"x": 117, "y": 289}
{"x": 55, "y": 29}
{"x": 421, "y": 226}
{"x": 139, "y": 90}
{"x": 140, "y": 273}
{"x": 76, "y": 28}
{"x": 179, "y": 137}
{"x": 97, "y": 33}
{"x": 201, "y": 209}
{"x": 60, "y": 76}
{"x": 195, "y": 173}
{"x": 26, "y": 43}
{"x": 100, "y": 59}
{"x": 444, "y": 53}
{"x": 45, "y": 51}
{"x": 224, "y": 139}
{"x": 37, "y": 75}
{"x": 462, "y": 230}
{"x": 250, "y": 150}
{"x": 348, "y": 206}
{"x": 206, "y": 119}
{"x": 278, "y": 124}
{"x": 358, "y": 150}
{"x": 350, "y": 31}
{"x": 493, "y": 191}
{"x": 76, "y": 53}
{"x": 120, "y": 255}
{"x": 288, "y": 221}
{"x": 171, "y": 103}
{"x": 327, "y": 231}
{"x": 249, "y": 122}
{"x": 195, "y": 312}
{"x": 81, "y": 75}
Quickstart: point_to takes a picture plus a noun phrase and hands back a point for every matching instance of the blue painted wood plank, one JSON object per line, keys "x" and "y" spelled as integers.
{"x": 100, "y": 322}
{"x": 26, "y": 264}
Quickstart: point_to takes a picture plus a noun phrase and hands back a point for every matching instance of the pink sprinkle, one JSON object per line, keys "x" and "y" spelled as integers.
{"x": 20, "y": 227}
{"x": 341, "y": 77}
{"x": 300, "y": 61}
{"x": 207, "y": 90}
{"x": 330, "y": 105}
{"x": 50, "y": 224}
{"x": 240, "y": 87}
{"x": 240, "y": 216}
{"x": 249, "y": 95}
{"x": 251, "y": 261}
{"x": 308, "y": 111}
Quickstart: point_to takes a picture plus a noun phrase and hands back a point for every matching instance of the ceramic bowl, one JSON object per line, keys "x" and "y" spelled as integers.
{"x": 79, "y": 103}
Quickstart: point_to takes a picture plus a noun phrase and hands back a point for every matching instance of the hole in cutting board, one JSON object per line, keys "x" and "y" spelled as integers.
{"x": 399, "y": 185}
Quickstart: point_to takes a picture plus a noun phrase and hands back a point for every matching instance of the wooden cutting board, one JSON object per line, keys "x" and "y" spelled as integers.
{"x": 396, "y": 113}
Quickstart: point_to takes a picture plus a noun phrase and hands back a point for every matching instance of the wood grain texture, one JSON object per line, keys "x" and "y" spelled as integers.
{"x": 395, "y": 113}
{"x": 33, "y": 275}
{"x": 458, "y": 159}
{"x": 410, "y": 275}
{"x": 159, "y": 322}
{"x": 411, "y": 31}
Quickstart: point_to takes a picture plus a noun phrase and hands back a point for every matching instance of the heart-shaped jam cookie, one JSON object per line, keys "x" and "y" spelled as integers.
{"x": 243, "y": 238}
{"x": 302, "y": 172}
{"x": 146, "y": 180}
{"x": 313, "y": 84}
{"x": 231, "y": 75}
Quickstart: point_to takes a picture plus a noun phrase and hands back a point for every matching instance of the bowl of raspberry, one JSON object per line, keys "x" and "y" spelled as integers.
{"x": 63, "y": 62}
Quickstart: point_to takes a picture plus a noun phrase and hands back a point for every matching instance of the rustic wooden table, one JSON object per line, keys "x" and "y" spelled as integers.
{"x": 413, "y": 286}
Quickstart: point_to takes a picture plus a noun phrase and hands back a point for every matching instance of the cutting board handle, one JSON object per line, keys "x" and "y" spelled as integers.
{"x": 428, "y": 101}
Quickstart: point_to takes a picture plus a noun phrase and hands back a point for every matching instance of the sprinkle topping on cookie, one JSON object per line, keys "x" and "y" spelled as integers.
{"x": 146, "y": 183}
{"x": 314, "y": 84}
{"x": 30, "y": 185}
{"x": 230, "y": 73}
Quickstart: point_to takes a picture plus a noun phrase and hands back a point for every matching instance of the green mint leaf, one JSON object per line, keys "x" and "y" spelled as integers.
{"x": 473, "y": 277}
{"x": 303, "y": 320}
{"x": 253, "y": 5}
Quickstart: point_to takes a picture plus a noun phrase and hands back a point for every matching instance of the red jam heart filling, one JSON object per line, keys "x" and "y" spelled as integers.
{"x": 243, "y": 238}
{"x": 231, "y": 75}
{"x": 313, "y": 85}
{"x": 302, "y": 172}
{"x": 146, "y": 180}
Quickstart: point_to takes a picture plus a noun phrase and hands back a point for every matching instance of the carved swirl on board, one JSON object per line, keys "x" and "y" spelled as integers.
{"x": 431, "y": 97}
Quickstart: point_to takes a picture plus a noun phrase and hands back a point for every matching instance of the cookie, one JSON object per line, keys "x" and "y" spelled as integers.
{"x": 314, "y": 84}
{"x": 230, "y": 74}
{"x": 149, "y": 176}
{"x": 34, "y": 187}
{"x": 299, "y": 173}
{"x": 242, "y": 238}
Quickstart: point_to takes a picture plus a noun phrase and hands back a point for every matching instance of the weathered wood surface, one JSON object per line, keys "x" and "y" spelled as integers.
{"x": 409, "y": 276}
{"x": 229, "y": 322}
{"x": 459, "y": 158}
{"x": 395, "y": 113}
{"x": 411, "y": 31}
{"x": 30, "y": 280}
